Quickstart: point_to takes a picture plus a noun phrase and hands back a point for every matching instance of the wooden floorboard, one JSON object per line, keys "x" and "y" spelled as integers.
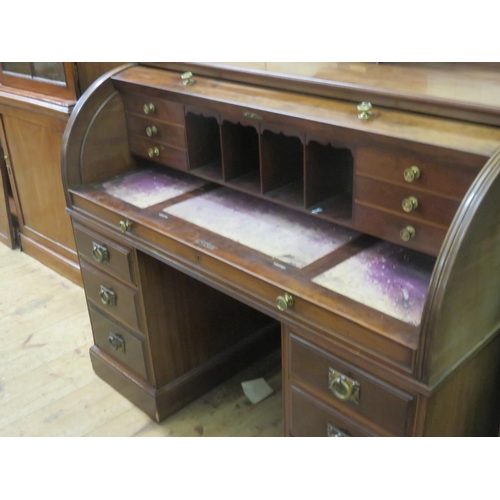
{"x": 48, "y": 388}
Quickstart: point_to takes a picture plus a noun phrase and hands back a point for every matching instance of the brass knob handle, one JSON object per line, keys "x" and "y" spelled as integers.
{"x": 364, "y": 110}
{"x": 284, "y": 302}
{"x": 151, "y": 131}
{"x": 412, "y": 173}
{"x": 407, "y": 233}
{"x": 410, "y": 203}
{"x": 99, "y": 252}
{"x": 187, "y": 78}
{"x": 117, "y": 342}
{"x": 149, "y": 108}
{"x": 125, "y": 225}
{"x": 343, "y": 387}
{"x": 153, "y": 152}
{"x": 107, "y": 296}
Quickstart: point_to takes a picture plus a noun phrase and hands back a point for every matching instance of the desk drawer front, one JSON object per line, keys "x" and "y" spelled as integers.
{"x": 111, "y": 296}
{"x": 154, "y": 108}
{"x": 311, "y": 418}
{"x": 154, "y": 151}
{"x": 434, "y": 177}
{"x": 118, "y": 343}
{"x": 104, "y": 253}
{"x": 429, "y": 207}
{"x": 346, "y": 387}
{"x": 148, "y": 128}
{"x": 426, "y": 238}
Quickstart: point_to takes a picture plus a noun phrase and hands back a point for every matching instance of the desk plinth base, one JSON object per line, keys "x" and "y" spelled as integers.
{"x": 162, "y": 402}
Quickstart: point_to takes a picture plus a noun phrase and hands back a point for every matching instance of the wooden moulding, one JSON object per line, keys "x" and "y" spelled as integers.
{"x": 462, "y": 311}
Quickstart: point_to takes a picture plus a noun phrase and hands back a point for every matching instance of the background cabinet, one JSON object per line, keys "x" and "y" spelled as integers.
{"x": 36, "y": 100}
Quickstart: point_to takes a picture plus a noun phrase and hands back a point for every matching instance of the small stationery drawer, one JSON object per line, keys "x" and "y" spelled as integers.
{"x": 401, "y": 230}
{"x": 118, "y": 342}
{"x": 111, "y": 296}
{"x": 154, "y": 151}
{"x": 344, "y": 386}
{"x": 449, "y": 180}
{"x": 405, "y": 200}
{"x": 153, "y": 107}
{"x": 166, "y": 133}
{"x": 104, "y": 253}
{"x": 311, "y": 418}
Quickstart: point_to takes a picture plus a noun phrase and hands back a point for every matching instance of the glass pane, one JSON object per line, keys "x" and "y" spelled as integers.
{"x": 22, "y": 68}
{"x": 49, "y": 71}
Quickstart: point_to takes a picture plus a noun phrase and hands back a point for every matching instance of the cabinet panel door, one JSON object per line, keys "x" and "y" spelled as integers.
{"x": 6, "y": 226}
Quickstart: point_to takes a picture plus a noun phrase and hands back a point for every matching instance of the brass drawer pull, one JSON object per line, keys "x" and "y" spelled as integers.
{"x": 149, "y": 108}
{"x": 125, "y": 225}
{"x": 151, "y": 131}
{"x": 335, "y": 432}
{"x": 412, "y": 173}
{"x": 117, "y": 342}
{"x": 343, "y": 388}
{"x": 107, "y": 296}
{"x": 410, "y": 203}
{"x": 284, "y": 302}
{"x": 187, "y": 78}
{"x": 407, "y": 233}
{"x": 364, "y": 109}
{"x": 100, "y": 252}
{"x": 153, "y": 152}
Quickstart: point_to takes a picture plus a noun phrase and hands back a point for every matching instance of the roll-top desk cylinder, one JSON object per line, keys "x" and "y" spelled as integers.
{"x": 208, "y": 210}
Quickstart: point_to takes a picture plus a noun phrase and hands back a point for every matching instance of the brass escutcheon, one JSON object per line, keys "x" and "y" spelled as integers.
{"x": 410, "y": 203}
{"x": 149, "y": 108}
{"x": 343, "y": 387}
{"x": 187, "y": 78}
{"x": 99, "y": 252}
{"x": 151, "y": 131}
{"x": 284, "y": 302}
{"x": 407, "y": 233}
{"x": 332, "y": 431}
{"x": 412, "y": 173}
{"x": 364, "y": 109}
{"x": 125, "y": 225}
{"x": 107, "y": 296}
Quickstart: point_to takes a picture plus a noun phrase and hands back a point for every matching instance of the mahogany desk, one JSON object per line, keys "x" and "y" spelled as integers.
{"x": 219, "y": 214}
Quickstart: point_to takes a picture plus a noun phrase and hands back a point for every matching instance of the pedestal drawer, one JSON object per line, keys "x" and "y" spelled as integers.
{"x": 311, "y": 418}
{"x": 348, "y": 388}
{"x": 104, "y": 253}
{"x": 119, "y": 343}
{"x": 111, "y": 296}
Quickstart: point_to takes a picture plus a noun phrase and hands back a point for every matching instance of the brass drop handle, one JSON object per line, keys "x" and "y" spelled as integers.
{"x": 107, "y": 296}
{"x": 117, "y": 342}
{"x": 364, "y": 109}
{"x": 332, "y": 431}
{"x": 149, "y": 108}
{"x": 407, "y": 233}
{"x": 151, "y": 131}
{"x": 153, "y": 152}
{"x": 284, "y": 302}
{"x": 410, "y": 203}
{"x": 125, "y": 225}
{"x": 343, "y": 387}
{"x": 99, "y": 252}
{"x": 412, "y": 173}
{"x": 187, "y": 78}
